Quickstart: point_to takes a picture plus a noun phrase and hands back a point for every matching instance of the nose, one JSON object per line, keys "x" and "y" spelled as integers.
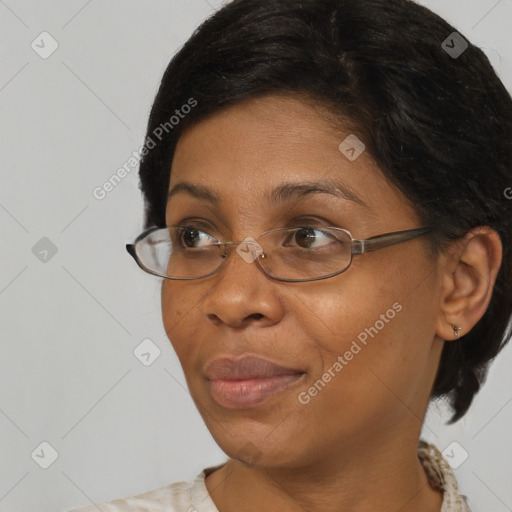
{"x": 241, "y": 291}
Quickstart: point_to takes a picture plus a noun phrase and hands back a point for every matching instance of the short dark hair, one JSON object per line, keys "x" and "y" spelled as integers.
{"x": 438, "y": 125}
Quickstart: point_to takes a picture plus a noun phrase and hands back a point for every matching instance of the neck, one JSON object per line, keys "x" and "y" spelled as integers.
{"x": 384, "y": 477}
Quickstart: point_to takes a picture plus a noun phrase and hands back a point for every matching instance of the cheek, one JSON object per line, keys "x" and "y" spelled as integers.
{"x": 372, "y": 343}
{"x": 374, "y": 294}
{"x": 363, "y": 387}
{"x": 179, "y": 317}
{"x": 356, "y": 305}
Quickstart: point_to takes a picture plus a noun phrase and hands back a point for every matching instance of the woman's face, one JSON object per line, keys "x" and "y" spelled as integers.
{"x": 360, "y": 347}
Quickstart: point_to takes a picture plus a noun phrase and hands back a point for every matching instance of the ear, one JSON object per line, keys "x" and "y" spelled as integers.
{"x": 469, "y": 272}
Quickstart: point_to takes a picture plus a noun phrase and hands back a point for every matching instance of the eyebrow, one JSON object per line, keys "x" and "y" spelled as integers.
{"x": 281, "y": 194}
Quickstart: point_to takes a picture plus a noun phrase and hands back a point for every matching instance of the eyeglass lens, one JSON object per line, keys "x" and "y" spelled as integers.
{"x": 292, "y": 253}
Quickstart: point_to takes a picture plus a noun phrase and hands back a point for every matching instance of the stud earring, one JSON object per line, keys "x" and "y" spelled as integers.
{"x": 456, "y": 330}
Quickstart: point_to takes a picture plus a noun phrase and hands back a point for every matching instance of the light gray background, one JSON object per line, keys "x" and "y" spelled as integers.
{"x": 70, "y": 324}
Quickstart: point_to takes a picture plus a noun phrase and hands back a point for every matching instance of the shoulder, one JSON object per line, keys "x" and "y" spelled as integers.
{"x": 175, "y": 497}
{"x": 168, "y": 498}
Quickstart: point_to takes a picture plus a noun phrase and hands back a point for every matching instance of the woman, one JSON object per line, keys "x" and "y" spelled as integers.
{"x": 358, "y": 152}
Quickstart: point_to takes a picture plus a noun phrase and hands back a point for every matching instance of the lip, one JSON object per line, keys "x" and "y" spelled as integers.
{"x": 244, "y": 382}
{"x": 245, "y": 367}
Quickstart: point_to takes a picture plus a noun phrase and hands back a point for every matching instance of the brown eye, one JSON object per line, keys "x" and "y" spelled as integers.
{"x": 192, "y": 238}
{"x": 306, "y": 237}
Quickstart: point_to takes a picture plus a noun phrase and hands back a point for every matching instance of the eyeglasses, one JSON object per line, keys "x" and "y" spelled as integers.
{"x": 304, "y": 253}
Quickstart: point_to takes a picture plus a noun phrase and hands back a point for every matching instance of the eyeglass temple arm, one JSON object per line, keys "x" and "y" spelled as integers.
{"x": 379, "y": 241}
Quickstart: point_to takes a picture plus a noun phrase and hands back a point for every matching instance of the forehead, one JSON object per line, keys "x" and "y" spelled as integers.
{"x": 268, "y": 150}
{"x": 260, "y": 132}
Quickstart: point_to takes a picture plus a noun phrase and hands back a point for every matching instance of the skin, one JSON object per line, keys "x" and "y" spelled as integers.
{"x": 353, "y": 447}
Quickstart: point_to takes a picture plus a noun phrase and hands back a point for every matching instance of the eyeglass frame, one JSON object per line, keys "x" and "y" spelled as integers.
{"x": 357, "y": 246}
